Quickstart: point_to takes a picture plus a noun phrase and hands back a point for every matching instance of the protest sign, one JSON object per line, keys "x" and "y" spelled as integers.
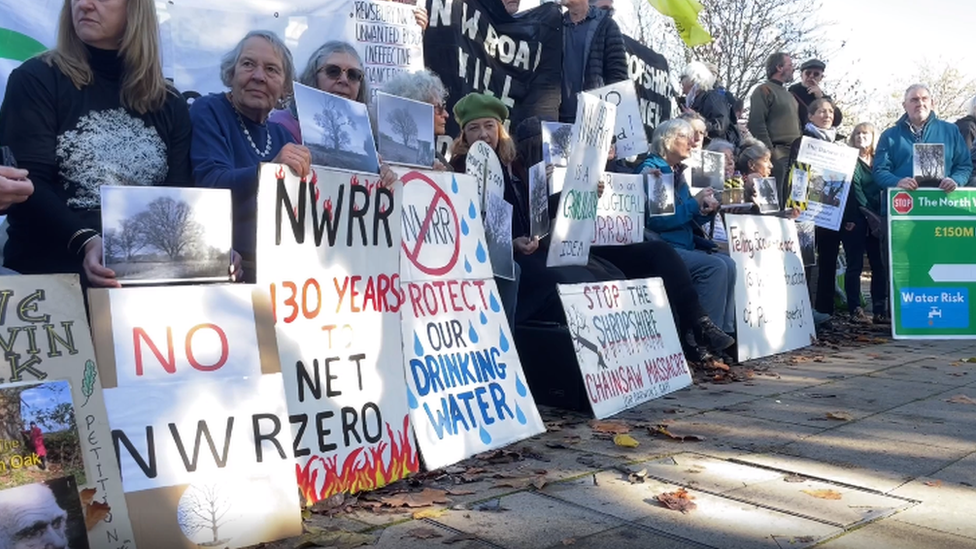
{"x": 830, "y": 168}
{"x": 557, "y": 143}
{"x": 763, "y": 191}
{"x": 620, "y": 211}
{"x": 626, "y": 342}
{"x": 48, "y": 339}
{"x": 329, "y": 251}
{"x": 649, "y": 72}
{"x": 465, "y": 385}
{"x": 406, "y": 130}
{"x": 476, "y": 46}
{"x": 707, "y": 170}
{"x": 538, "y": 201}
{"x": 498, "y": 236}
{"x": 660, "y": 194}
{"x": 482, "y": 164}
{"x": 773, "y": 311}
{"x": 574, "y": 225}
{"x": 336, "y": 131}
{"x": 933, "y": 263}
{"x": 928, "y": 164}
{"x": 200, "y": 424}
{"x": 629, "y": 129}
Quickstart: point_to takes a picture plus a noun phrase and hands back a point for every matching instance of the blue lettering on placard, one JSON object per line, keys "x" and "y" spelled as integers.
{"x": 934, "y": 308}
{"x": 456, "y": 413}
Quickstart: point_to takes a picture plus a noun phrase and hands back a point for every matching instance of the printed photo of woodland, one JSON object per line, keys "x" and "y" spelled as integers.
{"x": 406, "y": 130}
{"x": 336, "y": 131}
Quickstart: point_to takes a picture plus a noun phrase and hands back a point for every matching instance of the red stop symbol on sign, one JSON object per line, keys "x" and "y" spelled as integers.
{"x": 903, "y": 203}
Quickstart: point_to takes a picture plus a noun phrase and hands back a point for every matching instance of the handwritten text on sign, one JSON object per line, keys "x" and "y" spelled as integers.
{"x": 620, "y": 211}
{"x": 626, "y": 342}
{"x": 773, "y": 312}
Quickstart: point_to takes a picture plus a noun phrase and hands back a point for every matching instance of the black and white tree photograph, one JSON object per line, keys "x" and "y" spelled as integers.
{"x": 166, "y": 234}
{"x": 538, "y": 200}
{"x": 710, "y": 171}
{"x": 826, "y": 186}
{"x": 929, "y": 164}
{"x": 766, "y": 194}
{"x": 203, "y": 513}
{"x": 406, "y": 130}
{"x": 660, "y": 194}
{"x": 806, "y": 232}
{"x": 336, "y": 131}
{"x": 557, "y": 143}
{"x": 498, "y": 234}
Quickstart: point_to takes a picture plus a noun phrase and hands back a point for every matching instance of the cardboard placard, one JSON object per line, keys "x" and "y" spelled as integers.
{"x": 828, "y": 181}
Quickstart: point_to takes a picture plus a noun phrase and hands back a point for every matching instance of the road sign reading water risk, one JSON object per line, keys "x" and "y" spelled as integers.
{"x": 932, "y": 247}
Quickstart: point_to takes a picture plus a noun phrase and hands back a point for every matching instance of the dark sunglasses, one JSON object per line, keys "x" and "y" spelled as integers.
{"x": 335, "y": 71}
{"x": 440, "y": 108}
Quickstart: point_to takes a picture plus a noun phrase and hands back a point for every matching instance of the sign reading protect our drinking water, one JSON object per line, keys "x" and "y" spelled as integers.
{"x": 932, "y": 242}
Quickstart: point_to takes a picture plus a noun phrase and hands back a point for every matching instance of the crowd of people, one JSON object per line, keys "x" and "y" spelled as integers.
{"x": 102, "y": 87}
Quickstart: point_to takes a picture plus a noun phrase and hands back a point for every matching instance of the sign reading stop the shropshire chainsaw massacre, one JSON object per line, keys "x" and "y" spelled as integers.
{"x": 932, "y": 245}
{"x": 465, "y": 385}
{"x": 626, "y": 343}
{"x": 329, "y": 252}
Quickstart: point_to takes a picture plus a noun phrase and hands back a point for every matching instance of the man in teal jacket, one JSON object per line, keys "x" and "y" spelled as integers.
{"x": 893, "y": 161}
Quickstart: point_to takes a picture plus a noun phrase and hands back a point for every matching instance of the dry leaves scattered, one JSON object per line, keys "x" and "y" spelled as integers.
{"x": 933, "y": 483}
{"x": 840, "y": 416}
{"x": 679, "y": 500}
{"x": 460, "y": 537}
{"x": 609, "y": 427}
{"x": 423, "y": 533}
{"x": 823, "y": 494}
{"x": 961, "y": 399}
{"x": 95, "y": 511}
{"x": 332, "y": 537}
{"x": 626, "y": 441}
{"x": 424, "y": 498}
{"x": 663, "y": 430}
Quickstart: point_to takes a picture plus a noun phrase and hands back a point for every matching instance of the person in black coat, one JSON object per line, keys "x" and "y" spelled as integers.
{"x": 593, "y": 53}
{"x": 715, "y": 105}
{"x": 807, "y": 90}
{"x": 967, "y": 127}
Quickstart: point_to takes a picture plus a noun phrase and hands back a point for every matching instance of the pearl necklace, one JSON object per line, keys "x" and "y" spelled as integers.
{"x": 247, "y": 134}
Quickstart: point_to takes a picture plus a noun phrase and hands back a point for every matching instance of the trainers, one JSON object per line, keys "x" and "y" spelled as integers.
{"x": 860, "y": 317}
{"x": 820, "y": 318}
{"x": 882, "y": 319}
{"x": 713, "y": 337}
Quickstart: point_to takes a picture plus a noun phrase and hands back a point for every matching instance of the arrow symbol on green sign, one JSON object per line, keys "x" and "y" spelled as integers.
{"x": 17, "y": 46}
{"x": 953, "y": 273}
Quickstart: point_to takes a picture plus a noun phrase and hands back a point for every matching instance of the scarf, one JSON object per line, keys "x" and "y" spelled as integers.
{"x": 829, "y": 134}
{"x": 690, "y": 98}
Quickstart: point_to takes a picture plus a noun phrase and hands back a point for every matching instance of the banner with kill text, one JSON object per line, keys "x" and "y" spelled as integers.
{"x": 465, "y": 386}
{"x": 329, "y": 252}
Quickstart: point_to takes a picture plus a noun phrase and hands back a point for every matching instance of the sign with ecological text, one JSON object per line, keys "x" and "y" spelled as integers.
{"x": 625, "y": 341}
{"x": 465, "y": 386}
{"x": 620, "y": 211}
{"x": 933, "y": 263}
{"x": 329, "y": 252}
{"x": 773, "y": 312}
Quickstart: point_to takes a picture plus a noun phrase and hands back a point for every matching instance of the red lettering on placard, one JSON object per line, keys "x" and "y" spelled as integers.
{"x": 224, "y": 348}
{"x": 139, "y": 334}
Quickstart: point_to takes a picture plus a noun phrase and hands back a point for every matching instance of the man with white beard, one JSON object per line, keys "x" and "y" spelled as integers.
{"x": 30, "y": 518}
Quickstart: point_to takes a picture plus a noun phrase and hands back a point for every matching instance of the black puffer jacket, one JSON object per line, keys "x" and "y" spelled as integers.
{"x": 606, "y": 57}
{"x": 715, "y": 106}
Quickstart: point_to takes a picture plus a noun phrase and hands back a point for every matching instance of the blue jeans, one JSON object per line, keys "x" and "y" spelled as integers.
{"x": 508, "y": 293}
{"x": 714, "y": 278}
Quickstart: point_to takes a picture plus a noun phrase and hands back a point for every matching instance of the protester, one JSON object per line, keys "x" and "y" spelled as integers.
{"x": 857, "y": 235}
{"x": 511, "y": 6}
{"x": 699, "y": 129}
{"x": 967, "y": 127}
{"x": 424, "y": 86}
{"x": 894, "y": 159}
{"x": 481, "y": 117}
{"x": 713, "y": 273}
{"x": 593, "y": 53}
{"x": 232, "y": 135}
{"x": 755, "y": 161}
{"x": 77, "y": 117}
{"x": 14, "y": 187}
{"x": 808, "y": 89}
{"x": 773, "y": 117}
{"x": 36, "y": 437}
{"x": 715, "y": 105}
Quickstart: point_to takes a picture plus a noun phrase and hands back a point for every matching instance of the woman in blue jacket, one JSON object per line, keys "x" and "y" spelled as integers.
{"x": 713, "y": 273}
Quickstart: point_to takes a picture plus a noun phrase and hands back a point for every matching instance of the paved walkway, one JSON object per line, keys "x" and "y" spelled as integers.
{"x": 872, "y": 447}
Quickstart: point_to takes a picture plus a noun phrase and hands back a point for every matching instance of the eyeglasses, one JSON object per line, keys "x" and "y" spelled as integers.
{"x": 812, "y": 74}
{"x": 440, "y": 108}
{"x": 335, "y": 71}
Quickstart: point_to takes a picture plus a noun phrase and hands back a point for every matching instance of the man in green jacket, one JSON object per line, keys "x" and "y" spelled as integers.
{"x": 773, "y": 116}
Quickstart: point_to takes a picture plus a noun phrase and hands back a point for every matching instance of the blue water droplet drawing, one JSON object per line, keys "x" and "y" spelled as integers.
{"x": 502, "y": 341}
{"x": 418, "y": 348}
{"x": 485, "y": 437}
{"x": 464, "y": 227}
{"x": 472, "y": 211}
{"x": 519, "y": 415}
{"x": 493, "y": 303}
{"x": 520, "y": 387}
{"x": 480, "y": 253}
{"x": 412, "y": 400}
{"x": 472, "y": 335}
{"x": 484, "y": 318}
{"x": 454, "y": 186}
{"x": 467, "y": 265}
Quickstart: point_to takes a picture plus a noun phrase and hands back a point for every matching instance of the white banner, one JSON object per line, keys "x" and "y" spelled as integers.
{"x": 626, "y": 342}
{"x": 466, "y": 389}
{"x": 620, "y": 211}
{"x": 773, "y": 311}
{"x": 629, "y": 129}
{"x": 574, "y": 224}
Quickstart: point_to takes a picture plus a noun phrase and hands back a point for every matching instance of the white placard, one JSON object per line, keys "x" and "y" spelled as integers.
{"x": 629, "y": 129}
{"x": 482, "y": 163}
{"x": 827, "y": 195}
{"x": 538, "y": 201}
{"x": 620, "y": 211}
{"x": 829, "y": 156}
{"x": 625, "y": 341}
{"x": 773, "y": 311}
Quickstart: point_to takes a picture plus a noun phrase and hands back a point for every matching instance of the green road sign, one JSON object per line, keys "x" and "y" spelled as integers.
{"x": 932, "y": 246}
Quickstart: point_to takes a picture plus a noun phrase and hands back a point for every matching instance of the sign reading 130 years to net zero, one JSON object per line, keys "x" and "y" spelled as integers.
{"x": 933, "y": 263}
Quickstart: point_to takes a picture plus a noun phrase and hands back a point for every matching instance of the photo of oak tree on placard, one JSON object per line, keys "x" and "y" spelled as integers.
{"x": 538, "y": 200}
{"x": 806, "y": 233}
{"x": 557, "y": 140}
{"x": 660, "y": 194}
{"x": 336, "y": 131}
{"x": 406, "y": 130}
{"x": 768, "y": 197}
{"x": 929, "y": 164}
{"x": 709, "y": 171}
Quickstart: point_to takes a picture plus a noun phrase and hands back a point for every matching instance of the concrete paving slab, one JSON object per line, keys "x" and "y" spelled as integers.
{"x": 532, "y": 520}
{"x": 962, "y": 472}
{"x": 944, "y": 506}
{"x": 938, "y": 371}
{"x": 729, "y": 431}
{"x": 706, "y": 473}
{"x": 938, "y": 407}
{"x": 399, "y": 537}
{"x": 709, "y": 397}
{"x": 870, "y": 393}
{"x": 774, "y": 382}
{"x": 629, "y": 537}
{"x": 929, "y": 431}
{"x": 803, "y": 410}
{"x": 891, "y": 534}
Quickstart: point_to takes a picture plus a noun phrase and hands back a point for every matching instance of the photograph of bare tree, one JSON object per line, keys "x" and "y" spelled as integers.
{"x": 203, "y": 510}
{"x": 826, "y": 186}
{"x": 406, "y": 130}
{"x": 538, "y": 200}
{"x": 766, "y": 194}
{"x": 557, "y": 143}
{"x": 929, "y": 164}
{"x": 660, "y": 194}
{"x": 166, "y": 234}
{"x": 709, "y": 171}
{"x": 336, "y": 131}
{"x": 498, "y": 234}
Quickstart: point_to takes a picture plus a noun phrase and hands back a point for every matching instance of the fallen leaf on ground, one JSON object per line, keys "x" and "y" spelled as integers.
{"x": 460, "y": 537}
{"x": 626, "y": 441}
{"x": 971, "y": 360}
{"x": 454, "y": 492}
{"x": 822, "y": 494}
{"x": 638, "y": 477}
{"x": 803, "y": 539}
{"x": 794, "y": 478}
{"x": 429, "y": 513}
{"x": 588, "y": 460}
{"x": 96, "y": 512}
{"x": 87, "y": 495}
{"x": 954, "y": 364}
{"x": 933, "y": 483}
{"x": 569, "y": 541}
{"x": 609, "y": 427}
{"x": 663, "y": 430}
{"x": 961, "y": 399}
{"x": 501, "y": 456}
{"x": 424, "y": 498}
{"x": 423, "y": 533}
{"x": 840, "y": 416}
{"x": 329, "y": 504}
{"x": 679, "y": 500}
{"x": 335, "y": 538}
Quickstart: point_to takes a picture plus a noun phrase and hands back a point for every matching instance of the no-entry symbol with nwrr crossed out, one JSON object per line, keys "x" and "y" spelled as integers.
{"x": 430, "y": 236}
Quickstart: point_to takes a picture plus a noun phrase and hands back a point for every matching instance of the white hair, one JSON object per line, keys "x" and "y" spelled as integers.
{"x": 23, "y": 507}
{"x": 698, "y": 74}
{"x": 228, "y": 63}
{"x": 916, "y": 87}
{"x": 665, "y": 134}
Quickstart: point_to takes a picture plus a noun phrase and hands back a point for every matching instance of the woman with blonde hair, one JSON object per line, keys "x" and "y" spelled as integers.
{"x": 93, "y": 111}
{"x": 857, "y": 235}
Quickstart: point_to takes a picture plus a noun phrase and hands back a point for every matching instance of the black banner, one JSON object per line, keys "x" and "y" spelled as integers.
{"x": 476, "y": 46}
{"x": 649, "y": 71}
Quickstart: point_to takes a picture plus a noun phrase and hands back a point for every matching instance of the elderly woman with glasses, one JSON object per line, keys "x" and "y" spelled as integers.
{"x": 426, "y": 87}
{"x": 232, "y": 134}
